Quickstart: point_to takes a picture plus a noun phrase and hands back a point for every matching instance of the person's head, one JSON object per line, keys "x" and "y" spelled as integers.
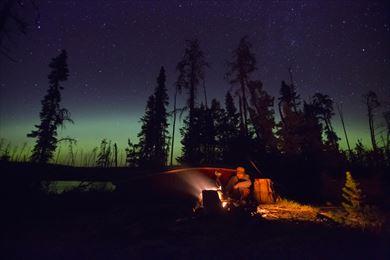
{"x": 240, "y": 172}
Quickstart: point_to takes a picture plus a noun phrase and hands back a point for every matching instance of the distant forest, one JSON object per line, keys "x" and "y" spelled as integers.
{"x": 240, "y": 129}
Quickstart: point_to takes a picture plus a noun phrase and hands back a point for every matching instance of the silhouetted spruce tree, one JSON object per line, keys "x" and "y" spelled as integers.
{"x": 192, "y": 138}
{"x": 104, "y": 155}
{"x": 161, "y": 127}
{"x": 228, "y": 131}
{"x": 360, "y": 154}
{"x": 312, "y": 136}
{"x": 191, "y": 74}
{"x": 290, "y": 130}
{"x": 132, "y": 154}
{"x": 52, "y": 115}
{"x": 243, "y": 64}
{"x": 153, "y": 138}
{"x": 191, "y": 71}
{"x": 324, "y": 106}
{"x": 147, "y": 130}
{"x": 289, "y": 100}
{"x": 231, "y": 115}
{"x": 261, "y": 112}
{"x": 209, "y": 132}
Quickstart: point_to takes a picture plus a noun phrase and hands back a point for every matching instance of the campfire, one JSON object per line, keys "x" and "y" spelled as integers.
{"x": 205, "y": 185}
{"x": 221, "y": 201}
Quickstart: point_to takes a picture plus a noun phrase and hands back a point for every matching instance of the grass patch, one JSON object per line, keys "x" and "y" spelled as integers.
{"x": 285, "y": 209}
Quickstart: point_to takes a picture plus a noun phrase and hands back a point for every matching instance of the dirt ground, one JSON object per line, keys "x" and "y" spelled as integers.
{"x": 139, "y": 220}
{"x": 99, "y": 226}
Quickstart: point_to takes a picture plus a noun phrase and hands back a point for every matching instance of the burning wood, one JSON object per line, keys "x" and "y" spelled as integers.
{"x": 211, "y": 202}
{"x": 211, "y": 198}
{"x": 234, "y": 194}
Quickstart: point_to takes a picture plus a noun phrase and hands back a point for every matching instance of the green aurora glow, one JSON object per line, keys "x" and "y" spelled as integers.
{"x": 90, "y": 130}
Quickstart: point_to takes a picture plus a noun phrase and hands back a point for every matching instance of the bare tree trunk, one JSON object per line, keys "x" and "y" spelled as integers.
{"x": 340, "y": 110}
{"x": 280, "y": 112}
{"x": 242, "y": 124}
{"x": 115, "y": 155}
{"x": 173, "y": 126}
{"x": 371, "y": 125}
{"x": 205, "y": 93}
{"x": 244, "y": 106}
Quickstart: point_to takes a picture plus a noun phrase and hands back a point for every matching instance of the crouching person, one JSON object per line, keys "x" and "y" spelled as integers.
{"x": 238, "y": 187}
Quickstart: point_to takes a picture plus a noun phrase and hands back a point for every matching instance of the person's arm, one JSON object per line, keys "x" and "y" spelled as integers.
{"x": 233, "y": 180}
{"x": 246, "y": 184}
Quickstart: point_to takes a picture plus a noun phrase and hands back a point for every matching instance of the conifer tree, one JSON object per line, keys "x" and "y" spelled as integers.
{"x": 210, "y": 132}
{"x": 290, "y": 130}
{"x": 262, "y": 115}
{"x": 312, "y": 138}
{"x": 191, "y": 73}
{"x": 359, "y": 156}
{"x": 228, "y": 131}
{"x": 191, "y": 70}
{"x": 153, "y": 141}
{"x": 324, "y": 106}
{"x": 289, "y": 100}
{"x": 241, "y": 67}
{"x": 353, "y": 199}
{"x": 132, "y": 154}
{"x": 161, "y": 122}
{"x": 104, "y": 156}
{"x": 52, "y": 115}
{"x": 356, "y": 212}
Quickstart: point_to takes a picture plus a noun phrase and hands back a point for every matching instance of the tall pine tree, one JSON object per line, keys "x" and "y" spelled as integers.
{"x": 191, "y": 73}
{"x": 52, "y": 115}
{"x": 312, "y": 139}
{"x": 290, "y": 130}
{"x": 229, "y": 131}
{"x": 161, "y": 114}
{"x": 153, "y": 138}
{"x": 104, "y": 155}
{"x": 323, "y": 105}
{"x": 261, "y": 112}
{"x": 243, "y": 64}
{"x": 210, "y": 129}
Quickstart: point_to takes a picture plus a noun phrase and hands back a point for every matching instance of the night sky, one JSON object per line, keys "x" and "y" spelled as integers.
{"x": 116, "y": 48}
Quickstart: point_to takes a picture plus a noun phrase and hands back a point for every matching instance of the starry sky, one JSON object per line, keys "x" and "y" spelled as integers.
{"x": 115, "y": 48}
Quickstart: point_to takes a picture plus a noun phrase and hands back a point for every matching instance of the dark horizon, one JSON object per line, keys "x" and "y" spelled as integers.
{"x": 116, "y": 49}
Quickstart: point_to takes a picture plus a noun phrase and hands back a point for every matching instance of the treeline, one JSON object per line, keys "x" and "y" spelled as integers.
{"x": 243, "y": 127}
{"x": 240, "y": 129}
